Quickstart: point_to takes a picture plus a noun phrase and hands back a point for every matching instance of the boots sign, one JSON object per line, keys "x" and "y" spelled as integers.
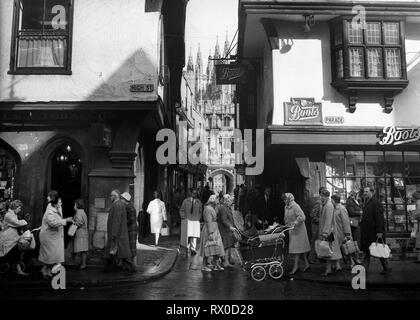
{"x": 303, "y": 111}
{"x": 230, "y": 73}
{"x": 393, "y": 136}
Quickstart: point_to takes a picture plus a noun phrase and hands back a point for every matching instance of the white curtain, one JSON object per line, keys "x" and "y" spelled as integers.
{"x": 46, "y": 52}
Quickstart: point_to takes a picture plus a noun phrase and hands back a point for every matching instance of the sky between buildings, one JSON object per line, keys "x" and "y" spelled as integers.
{"x": 207, "y": 19}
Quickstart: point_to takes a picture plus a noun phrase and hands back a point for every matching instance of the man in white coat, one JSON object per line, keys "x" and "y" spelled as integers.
{"x": 192, "y": 210}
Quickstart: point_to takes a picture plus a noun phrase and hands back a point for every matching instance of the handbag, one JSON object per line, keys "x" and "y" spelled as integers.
{"x": 211, "y": 248}
{"x": 379, "y": 250}
{"x": 354, "y": 222}
{"x": 72, "y": 230}
{"x": 349, "y": 247}
{"x": 165, "y": 230}
{"x": 323, "y": 249}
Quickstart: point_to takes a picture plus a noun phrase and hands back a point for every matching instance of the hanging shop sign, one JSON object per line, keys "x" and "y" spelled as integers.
{"x": 393, "y": 136}
{"x": 230, "y": 74}
{"x": 333, "y": 120}
{"x": 303, "y": 111}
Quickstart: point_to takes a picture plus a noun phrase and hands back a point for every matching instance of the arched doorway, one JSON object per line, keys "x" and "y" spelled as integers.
{"x": 223, "y": 181}
{"x": 66, "y": 175}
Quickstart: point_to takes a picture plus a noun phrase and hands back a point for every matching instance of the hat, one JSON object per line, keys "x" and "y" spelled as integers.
{"x": 126, "y": 196}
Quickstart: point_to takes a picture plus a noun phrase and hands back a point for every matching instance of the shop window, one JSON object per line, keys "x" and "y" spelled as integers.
{"x": 41, "y": 42}
{"x": 8, "y": 169}
{"x": 369, "y": 59}
{"x": 394, "y": 175}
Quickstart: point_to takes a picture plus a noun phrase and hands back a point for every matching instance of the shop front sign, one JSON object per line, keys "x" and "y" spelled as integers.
{"x": 394, "y": 136}
{"x": 303, "y": 111}
{"x": 230, "y": 73}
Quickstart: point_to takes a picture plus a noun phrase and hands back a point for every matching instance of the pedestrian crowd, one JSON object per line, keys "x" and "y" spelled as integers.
{"x": 211, "y": 224}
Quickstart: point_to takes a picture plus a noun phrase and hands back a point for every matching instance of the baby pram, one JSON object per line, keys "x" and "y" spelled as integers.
{"x": 28, "y": 248}
{"x": 264, "y": 252}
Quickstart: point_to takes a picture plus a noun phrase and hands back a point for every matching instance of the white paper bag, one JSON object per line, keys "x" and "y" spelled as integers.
{"x": 72, "y": 230}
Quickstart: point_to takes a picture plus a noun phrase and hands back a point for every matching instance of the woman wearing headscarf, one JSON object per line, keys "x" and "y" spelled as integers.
{"x": 9, "y": 236}
{"x": 343, "y": 227}
{"x": 298, "y": 237}
{"x": 328, "y": 230}
{"x": 51, "y": 236}
{"x": 226, "y": 227}
{"x": 211, "y": 245}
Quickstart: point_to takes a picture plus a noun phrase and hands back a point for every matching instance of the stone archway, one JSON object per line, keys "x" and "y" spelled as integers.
{"x": 228, "y": 178}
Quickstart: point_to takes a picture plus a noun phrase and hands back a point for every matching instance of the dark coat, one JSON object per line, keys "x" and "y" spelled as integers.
{"x": 373, "y": 222}
{"x": 132, "y": 228}
{"x": 269, "y": 210}
{"x": 225, "y": 221}
{"x": 117, "y": 231}
{"x": 353, "y": 208}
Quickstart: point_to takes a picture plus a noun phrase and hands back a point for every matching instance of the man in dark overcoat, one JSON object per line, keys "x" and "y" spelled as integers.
{"x": 118, "y": 245}
{"x": 372, "y": 227}
{"x": 131, "y": 224}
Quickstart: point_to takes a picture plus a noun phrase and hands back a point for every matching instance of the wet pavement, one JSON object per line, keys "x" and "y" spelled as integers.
{"x": 187, "y": 282}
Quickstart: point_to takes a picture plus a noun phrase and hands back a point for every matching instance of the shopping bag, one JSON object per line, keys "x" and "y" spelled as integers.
{"x": 323, "y": 249}
{"x": 349, "y": 247}
{"x": 379, "y": 250}
{"x": 164, "y": 231}
{"x": 72, "y": 230}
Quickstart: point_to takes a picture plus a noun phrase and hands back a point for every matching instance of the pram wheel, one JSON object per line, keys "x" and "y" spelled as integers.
{"x": 258, "y": 273}
{"x": 22, "y": 267}
{"x": 4, "y": 267}
{"x": 276, "y": 271}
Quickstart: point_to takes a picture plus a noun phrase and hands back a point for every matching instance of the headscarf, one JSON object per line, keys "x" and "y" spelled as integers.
{"x": 289, "y": 198}
{"x": 212, "y": 199}
{"x": 227, "y": 198}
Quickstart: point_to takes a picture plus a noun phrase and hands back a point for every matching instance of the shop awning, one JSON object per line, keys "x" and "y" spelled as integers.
{"x": 288, "y": 135}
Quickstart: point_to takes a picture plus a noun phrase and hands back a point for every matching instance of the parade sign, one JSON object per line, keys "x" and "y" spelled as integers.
{"x": 394, "y": 136}
{"x": 230, "y": 74}
{"x": 303, "y": 111}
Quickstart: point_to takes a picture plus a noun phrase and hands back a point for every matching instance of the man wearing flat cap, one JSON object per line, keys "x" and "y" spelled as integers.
{"x": 131, "y": 224}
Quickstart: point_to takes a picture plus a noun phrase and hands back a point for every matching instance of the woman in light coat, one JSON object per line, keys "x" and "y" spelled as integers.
{"x": 80, "y": 243}
{"x": 298, "y": 237}
{"x": 343, "y": 227}
{"x": 227, "y": 227}
{"x": 9, "y": 236}
{"x": 328, "y": 230}
{"x": 51, "y": 236}
{"x": 157, "y": 211}
{"x": 211, "y": 233}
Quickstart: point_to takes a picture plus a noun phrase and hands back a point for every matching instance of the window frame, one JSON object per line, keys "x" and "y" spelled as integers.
{"x": 388, "y": 213}
{"x": 340, "y": 26}
{"x": 14, "y": 69}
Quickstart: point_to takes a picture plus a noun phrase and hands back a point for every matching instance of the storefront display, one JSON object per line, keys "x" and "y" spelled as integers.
{"x": 7, "y": 176}
{"x": 395, "y": 175}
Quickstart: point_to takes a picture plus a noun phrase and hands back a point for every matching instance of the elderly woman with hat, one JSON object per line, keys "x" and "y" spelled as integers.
{"x": 298, "y": 237}
{"x": 226, "y": 227}
{"x": 211, "y": 245}
{"x": 9, "y": 236}
{"x": 416, "y": 198}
